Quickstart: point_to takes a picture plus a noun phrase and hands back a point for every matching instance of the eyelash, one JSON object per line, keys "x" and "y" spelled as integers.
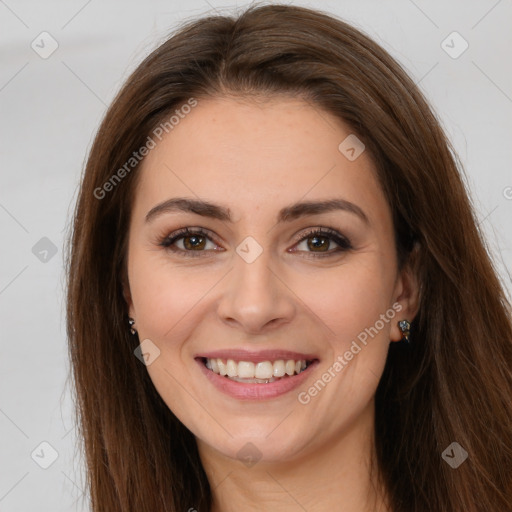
{"x": 343, "y": 242}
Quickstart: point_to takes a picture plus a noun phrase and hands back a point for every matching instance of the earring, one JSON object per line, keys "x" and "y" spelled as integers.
{"x": 405, "y": 327}
{"x": 131, "y": 322}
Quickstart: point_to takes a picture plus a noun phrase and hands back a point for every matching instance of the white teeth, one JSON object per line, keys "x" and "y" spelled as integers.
{"x": 279, "y": 369}
{"x": 253, "y": 381}
{"x": 245, "y": 370}
{"x": 231, "y": 368}
{"x": 290, "y": 367}
{"x": 222, "y": 367}
{"x": 262, "y": 372}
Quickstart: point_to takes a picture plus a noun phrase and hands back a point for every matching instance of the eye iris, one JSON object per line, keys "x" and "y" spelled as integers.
{"x": 319, "y": 242}
{"x": 196, "y": 244}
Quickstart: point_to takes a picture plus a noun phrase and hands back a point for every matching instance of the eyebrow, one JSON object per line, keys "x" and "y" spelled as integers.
{"x": 286, "y": 214}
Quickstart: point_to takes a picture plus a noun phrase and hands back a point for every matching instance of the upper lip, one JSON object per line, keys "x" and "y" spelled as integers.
{"x": 256, "y": 356}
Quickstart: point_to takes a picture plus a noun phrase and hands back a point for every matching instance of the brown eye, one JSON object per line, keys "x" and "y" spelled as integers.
{"x": 319, "y": 241}
{"x": 189, "y": 242}
{"x": 194, "y": 242}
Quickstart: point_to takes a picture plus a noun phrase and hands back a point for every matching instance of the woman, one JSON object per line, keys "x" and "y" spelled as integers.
{"x": 278, "y": 295}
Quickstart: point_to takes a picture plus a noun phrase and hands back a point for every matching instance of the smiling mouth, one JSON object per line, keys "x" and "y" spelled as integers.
{"x": 262, "y": 372}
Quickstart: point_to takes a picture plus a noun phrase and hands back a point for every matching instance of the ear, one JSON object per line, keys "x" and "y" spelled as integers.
{"x": 407, "y": 293}
{"x": 127, "y": 294}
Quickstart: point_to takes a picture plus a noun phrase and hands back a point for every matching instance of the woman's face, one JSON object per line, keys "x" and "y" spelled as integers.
{"x": 256, "y": 293}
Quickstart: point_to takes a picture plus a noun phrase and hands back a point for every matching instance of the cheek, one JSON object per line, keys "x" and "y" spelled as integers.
{"x": 350, "y": 299}
{"x": 167, "y": 307}
{"x": 164, "y": 296}
{"x": 354, "y": 304}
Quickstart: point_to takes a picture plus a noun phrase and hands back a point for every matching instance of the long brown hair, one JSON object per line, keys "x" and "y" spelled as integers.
{"x": 454, "y": 383}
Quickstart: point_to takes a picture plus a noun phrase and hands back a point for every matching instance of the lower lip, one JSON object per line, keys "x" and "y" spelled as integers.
{"x": 255, "y": 391}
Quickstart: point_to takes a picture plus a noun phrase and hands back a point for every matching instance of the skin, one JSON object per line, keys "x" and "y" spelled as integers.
{"x": 255, "y": 157}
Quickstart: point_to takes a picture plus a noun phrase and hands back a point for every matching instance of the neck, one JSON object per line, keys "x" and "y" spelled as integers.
{"x": 334, "y": 475}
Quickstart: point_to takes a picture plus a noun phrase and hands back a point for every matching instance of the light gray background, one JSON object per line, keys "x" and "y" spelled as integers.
{"x": 50, "y": 110}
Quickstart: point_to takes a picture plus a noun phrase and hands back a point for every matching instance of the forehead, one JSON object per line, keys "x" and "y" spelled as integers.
{"x": 258, "y": 156}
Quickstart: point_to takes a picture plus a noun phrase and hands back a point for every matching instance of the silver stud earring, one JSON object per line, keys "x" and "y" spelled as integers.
{"x": 131, "y": 322}
{"x": 405, "y": 328}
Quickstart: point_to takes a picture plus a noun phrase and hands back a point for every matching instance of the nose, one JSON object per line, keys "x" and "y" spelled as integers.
{"x": 256, "y": 298}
